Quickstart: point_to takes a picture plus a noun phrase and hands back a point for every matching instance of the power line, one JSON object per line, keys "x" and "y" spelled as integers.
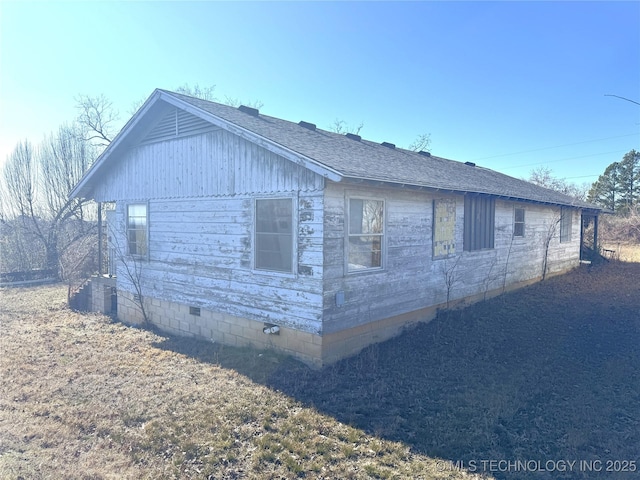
{"x": 582, "y": 176}
{"x": 561, "y": 160}
{"x": 557, "y": 146}
{"x": 623, "y": 98}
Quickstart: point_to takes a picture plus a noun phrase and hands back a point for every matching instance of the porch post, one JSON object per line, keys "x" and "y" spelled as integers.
{"x": 100, "y": 272}
{"x": 595, "y": 232}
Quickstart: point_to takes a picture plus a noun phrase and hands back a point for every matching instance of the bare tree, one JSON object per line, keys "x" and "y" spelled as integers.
{"x": 341, "y": 127}
{"x": 35, "y": 191}
{"x": 131, "y": 270}
{"x": 204, "y": 93}
{"x": 544, "y": 177}
{"x": 421, "y": 143}
{"x": 98, "y": 118}
{"x": 451, "y": 277}
{"x": 547, "y": 236}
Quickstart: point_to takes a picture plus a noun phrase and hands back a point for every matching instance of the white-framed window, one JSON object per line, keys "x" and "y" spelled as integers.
{"x": 566, "y": 217}
{"x": 518, "y": 222}
{"x": 365, "y": 234}
{"x": 479, "y": 222}
{"x": 274, "y": 234}
{"x": 137, "y": 229}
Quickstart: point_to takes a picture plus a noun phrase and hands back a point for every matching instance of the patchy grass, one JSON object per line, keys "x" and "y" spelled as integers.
{"x": 82, "y": 397}
{"x": 624, "y": 252}
{"x": 549, "y": 373}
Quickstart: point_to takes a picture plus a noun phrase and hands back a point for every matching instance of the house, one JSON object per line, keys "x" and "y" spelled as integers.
{"x": 247, "y": 229}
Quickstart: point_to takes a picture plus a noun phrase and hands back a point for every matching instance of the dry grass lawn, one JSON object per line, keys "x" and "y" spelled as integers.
{"x": 82, "y": 397}
{"x": 547, "y": 373}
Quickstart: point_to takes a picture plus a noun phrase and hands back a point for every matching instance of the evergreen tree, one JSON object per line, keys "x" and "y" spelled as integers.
{"x": 629, "y": 180}
{"x": 606, "y": 191}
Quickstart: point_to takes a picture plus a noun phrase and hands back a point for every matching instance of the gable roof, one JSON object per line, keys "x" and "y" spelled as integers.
{"x": 336, "y": 156}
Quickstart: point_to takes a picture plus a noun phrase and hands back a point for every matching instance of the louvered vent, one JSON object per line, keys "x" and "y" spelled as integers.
{"x": 177, "y": 123}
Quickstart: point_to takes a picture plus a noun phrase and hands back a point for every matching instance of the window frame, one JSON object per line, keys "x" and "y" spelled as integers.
{"x": 517, "y": 222}
{"x": 479, "y": 236}
{"x": 293, "y": 233}
{"x": 349, "y": 235}
{"x": 137, "y": 255}
{"x": 566, "y": 224}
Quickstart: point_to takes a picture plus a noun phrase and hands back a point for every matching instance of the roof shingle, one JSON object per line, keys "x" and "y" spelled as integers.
{"x": 366, "y": 160}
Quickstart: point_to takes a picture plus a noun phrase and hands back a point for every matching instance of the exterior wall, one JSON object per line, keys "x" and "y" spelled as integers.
{"x": 413, "y": 280}
{"x": 200, "y": 193}
{"x": 216, "y": 163}
{"x": 201, "y": 224}
{"x": 201, "y": 254}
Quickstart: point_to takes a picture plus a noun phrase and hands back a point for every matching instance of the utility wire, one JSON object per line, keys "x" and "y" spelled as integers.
{"x": 556, "y": 146}
{"x": 560, "y": 160}
{"x": 623, "y": 98}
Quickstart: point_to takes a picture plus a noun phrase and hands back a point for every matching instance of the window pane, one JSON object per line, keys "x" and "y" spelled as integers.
{"x": 137, "y": 229}
{"x": 274, "y": 252}
{"x": 274, "y": 235}
{"x": 366, "y": 216}
{"x": 518, "y": 230}
{"x": 565, "y": 225}
{"x": 519, "y": 214}
{"x": 365, "y": 252}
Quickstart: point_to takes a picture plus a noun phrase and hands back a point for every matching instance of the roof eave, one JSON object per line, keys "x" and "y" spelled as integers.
{"x": 432, "y": 188}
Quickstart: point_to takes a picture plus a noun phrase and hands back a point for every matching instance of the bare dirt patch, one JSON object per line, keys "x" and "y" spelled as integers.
{"x": 546, "y": 374}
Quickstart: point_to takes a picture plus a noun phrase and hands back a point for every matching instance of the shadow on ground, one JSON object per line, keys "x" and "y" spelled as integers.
{"x": 549, "y": 374}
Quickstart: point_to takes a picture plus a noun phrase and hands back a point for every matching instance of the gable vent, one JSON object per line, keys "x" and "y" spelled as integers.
{"x": 353, "y": 136}
{"x": 424, "y": 154}
{"x": 254, "y": 112}
{"x": 388, "y": 145}
{"x": 177, "y": 123}
{"x": 307, "y": 125}
{"x": 471, "y": 164}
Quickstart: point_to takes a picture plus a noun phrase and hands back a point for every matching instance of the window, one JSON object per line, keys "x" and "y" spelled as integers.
{"x": 518, "y": 222}
{"x": 479, "y": 222}
{"x": 274, "y": 235}
{"x": 137, "y": 237}
{"x": 365, "y": 234}
{"x": 565, "y": 225}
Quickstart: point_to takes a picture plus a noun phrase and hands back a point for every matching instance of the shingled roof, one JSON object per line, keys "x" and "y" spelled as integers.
{"x": 366, "y": 160}
{"x": 350, "y": 157}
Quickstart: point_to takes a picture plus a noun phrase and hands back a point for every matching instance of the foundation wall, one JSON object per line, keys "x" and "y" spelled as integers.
{"x": 222, "y": 328}
{"x": 314, "y": 350}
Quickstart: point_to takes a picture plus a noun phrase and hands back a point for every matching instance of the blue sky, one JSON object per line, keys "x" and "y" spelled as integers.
{"x": 509, "y": 85}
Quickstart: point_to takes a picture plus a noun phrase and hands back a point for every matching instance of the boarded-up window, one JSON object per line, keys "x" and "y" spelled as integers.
{"x": 274, "y": 235}
{"x": 479, "y": 222}
{"x": 366, "y": 234}
{"x": 565, "y": 225}
{"x": 137, "y": 233}
{"x": 518, "y": 222}
{"x": 444, "y": 228}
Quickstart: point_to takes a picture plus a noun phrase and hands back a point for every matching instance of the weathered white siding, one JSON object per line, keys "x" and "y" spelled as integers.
{"x": 200, "y": 193}
{"x": 412, "y": 279}
{"x": 211, "y": 164}
{"x": 200, "y": 254}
